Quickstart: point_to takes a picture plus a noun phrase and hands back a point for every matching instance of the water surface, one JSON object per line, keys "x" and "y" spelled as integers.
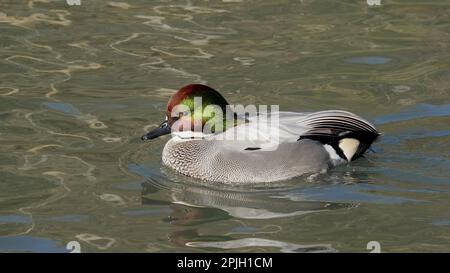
{"x": 79, "y": 85}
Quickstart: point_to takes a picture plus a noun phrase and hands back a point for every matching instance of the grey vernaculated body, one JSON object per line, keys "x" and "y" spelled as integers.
{"x": 306, "y": 143}
{"x": 212, "y": 160}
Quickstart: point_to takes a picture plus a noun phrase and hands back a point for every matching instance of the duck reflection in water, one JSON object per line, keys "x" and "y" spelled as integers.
{"x": 195, "y": 204}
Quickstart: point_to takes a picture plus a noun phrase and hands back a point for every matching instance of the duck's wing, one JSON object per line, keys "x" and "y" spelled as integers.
{"x": 280, "y": 126}
{"x": 348, "y": 134}
{"x": 263, "y": 131}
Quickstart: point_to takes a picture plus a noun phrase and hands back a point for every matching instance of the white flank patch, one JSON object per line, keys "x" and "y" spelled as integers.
{"x": 334, "y": 157}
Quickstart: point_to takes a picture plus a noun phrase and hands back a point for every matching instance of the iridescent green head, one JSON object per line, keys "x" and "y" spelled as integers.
{"x": 196, "y": 108}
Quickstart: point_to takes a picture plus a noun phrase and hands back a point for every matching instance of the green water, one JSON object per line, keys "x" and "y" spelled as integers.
{"x": 79, "y": 85}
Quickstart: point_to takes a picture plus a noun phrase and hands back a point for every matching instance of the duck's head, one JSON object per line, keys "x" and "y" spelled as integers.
{"x": 194, "y": 107}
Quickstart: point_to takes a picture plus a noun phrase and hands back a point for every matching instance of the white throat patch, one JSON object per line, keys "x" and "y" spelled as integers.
{"x": 349, "y": 147}
{"x": 190, "y": 135}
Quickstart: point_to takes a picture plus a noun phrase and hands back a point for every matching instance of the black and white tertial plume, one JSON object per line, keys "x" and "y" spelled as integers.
{"x": 348, "y": 134}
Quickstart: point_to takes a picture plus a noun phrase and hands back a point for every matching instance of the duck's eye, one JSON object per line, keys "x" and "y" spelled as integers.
{"x": 183, "y": 114}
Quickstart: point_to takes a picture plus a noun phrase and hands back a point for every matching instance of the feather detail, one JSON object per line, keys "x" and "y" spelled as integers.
{"x": 349, "y": 134}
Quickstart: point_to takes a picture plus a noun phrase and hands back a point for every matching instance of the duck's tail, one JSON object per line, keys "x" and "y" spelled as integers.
{"x": 348, "y": 134}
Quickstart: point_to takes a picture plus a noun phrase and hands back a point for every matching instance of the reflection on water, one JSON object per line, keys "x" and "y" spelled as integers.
{"x": 368, "y": 60}
{"x": 80, "y": 84}
{"x": 263, "y": 243}
{"x": 259, "y": 204}
{"x": 419, "y": 111}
